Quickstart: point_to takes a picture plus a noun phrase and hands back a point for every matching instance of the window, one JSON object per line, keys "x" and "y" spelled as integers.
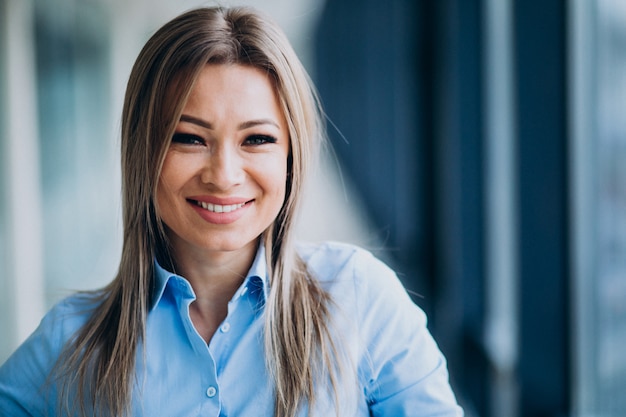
{"x": 599, "y": 174}
{"x": 78, "y": 142}
{"x": 21, "y": 299}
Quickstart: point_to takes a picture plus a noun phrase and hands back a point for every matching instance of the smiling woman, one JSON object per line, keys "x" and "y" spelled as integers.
{"x": 223, "y": 183}
{"x": 215, "y": 305}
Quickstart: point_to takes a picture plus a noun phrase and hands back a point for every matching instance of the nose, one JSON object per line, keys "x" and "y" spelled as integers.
{"x": 223, "y": 168}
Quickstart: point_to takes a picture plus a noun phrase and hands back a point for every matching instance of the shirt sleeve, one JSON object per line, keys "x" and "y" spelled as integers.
{"x": 405, "y": 373}
{"x": 25, "y": 386}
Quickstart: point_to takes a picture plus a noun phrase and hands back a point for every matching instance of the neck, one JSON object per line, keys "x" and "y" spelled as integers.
{"x": 214, "y": 277}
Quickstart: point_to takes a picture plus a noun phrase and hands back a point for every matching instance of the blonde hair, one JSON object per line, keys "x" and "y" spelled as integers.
{"x": 99, "y": 363}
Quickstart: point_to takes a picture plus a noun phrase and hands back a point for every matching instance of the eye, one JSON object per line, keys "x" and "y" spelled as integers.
{"x": 256, "y": 140}
{"x": 187, "y": 139}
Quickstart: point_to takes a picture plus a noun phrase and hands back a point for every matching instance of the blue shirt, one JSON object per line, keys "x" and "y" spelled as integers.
{"x": 400, "y": 371}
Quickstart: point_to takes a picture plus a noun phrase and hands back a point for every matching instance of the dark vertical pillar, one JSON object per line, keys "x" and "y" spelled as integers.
{"x": 402, "y": 81}
{"x": 459, "y": 203}
{"x": 368, "y": 73}
{"x": 540, "y": 66}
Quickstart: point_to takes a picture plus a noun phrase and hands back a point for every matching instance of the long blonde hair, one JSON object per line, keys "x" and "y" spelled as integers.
{"x": 99, "y": 363}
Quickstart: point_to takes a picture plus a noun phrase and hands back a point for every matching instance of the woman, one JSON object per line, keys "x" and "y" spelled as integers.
{"x": 215, "y": 310}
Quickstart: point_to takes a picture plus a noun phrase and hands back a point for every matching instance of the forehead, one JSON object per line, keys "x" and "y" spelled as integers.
{"x": 235, "y": 89}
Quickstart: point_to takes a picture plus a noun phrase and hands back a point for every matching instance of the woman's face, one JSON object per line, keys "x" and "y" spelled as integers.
{"x": 224, "y": 176}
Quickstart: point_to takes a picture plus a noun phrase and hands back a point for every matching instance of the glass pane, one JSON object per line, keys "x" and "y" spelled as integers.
{"x": 79, "y": 163}
{"x": 611, "y": 212}
{"x": 5, "y": 329}
{"x": 602, "y": 286}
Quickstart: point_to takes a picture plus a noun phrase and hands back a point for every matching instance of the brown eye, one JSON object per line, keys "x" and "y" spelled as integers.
{"x": 187, "y": 139}
{"x": 259, "y": 140}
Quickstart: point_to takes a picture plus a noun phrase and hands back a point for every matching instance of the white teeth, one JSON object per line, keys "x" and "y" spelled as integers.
{"x": 217, "y": 208}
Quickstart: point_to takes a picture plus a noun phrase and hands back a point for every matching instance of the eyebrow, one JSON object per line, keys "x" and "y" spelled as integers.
{"x": 245, "y": 125}
{"x": 196, "y": 121}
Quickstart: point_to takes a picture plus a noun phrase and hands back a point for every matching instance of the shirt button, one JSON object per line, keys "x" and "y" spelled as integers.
{"x": 225, "y": 327}
{"x": 210, "y": 392}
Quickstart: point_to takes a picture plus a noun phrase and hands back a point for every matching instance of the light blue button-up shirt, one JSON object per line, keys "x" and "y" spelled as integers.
{"x": 400, "y": 371}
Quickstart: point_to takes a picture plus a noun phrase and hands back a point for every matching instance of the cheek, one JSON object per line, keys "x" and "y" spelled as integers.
{"x": 163, "y": 201}
{"x": 176, "y": 169}
{"x": 272, "y": 180}
{"x": 168, "y": 183}
{"x": 279, "y": 179}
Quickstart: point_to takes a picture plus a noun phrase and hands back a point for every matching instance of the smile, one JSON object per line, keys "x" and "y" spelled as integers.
{"x": 217, "y": 208}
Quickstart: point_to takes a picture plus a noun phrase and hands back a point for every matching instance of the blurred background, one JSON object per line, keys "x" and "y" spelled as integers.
{"x": 478, "y": 146}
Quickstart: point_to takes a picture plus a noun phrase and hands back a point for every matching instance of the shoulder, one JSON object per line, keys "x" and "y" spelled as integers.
{"x": 69, "y": 315}
{"x": 333, "y": 263}
{"x": 366, "y": 289}
{"x": 28, "y": 369}
{"x": 400, "y": 367}
{"x": 327, "y": 259}
{"x": 59, "y": 324}
{"x": 362, "y": 285}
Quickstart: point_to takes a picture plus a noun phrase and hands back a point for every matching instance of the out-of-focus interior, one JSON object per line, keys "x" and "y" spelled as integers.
{"x": 479, "y": 147}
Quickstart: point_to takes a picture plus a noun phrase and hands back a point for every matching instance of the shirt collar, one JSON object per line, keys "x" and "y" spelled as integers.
{"x": 256, "y": 282}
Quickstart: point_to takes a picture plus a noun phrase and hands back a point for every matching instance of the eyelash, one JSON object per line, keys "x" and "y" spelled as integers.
{"x": 256, "y": 140}
{"x": 252, "y": 140}
{"x": 187, "y": 139}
